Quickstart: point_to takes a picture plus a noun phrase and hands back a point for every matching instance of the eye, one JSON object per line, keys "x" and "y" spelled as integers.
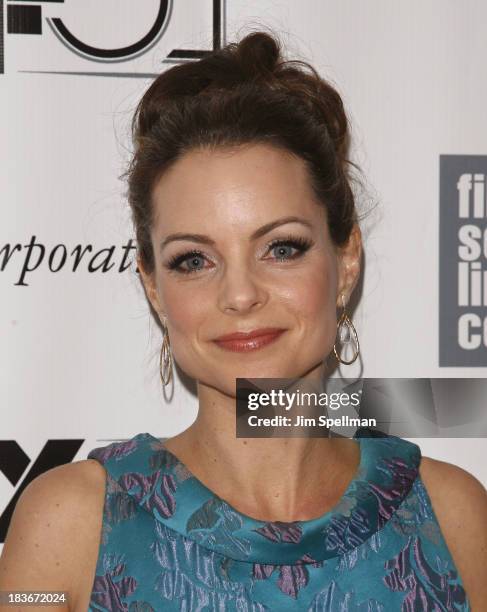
{"x": 191, "y": 257}
{"x": 285, "y": 245}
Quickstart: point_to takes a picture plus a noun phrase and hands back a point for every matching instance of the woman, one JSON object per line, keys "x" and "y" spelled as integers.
{"x": 245, "y": 221}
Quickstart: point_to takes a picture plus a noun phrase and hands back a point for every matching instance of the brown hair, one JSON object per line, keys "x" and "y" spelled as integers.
{"x": 243, "y": 93}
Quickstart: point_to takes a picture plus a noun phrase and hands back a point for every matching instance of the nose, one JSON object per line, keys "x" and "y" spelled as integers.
{"x": 240, "y": 290}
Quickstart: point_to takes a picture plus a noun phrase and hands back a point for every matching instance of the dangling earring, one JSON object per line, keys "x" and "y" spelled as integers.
{"x": 346, "y": 336}
{"x": 165, "y": 361}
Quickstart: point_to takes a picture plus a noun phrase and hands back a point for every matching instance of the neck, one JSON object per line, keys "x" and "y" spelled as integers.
{"x": 274, "y": 479}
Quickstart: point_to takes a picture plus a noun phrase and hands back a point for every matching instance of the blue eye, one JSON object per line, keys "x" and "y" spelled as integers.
{"x": 280, "y": 245}
{"x": 301, "y": 244}
{"x": 190, "y": 256}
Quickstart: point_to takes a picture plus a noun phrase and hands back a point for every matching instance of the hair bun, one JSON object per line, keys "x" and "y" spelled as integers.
{"x": 258, "y": 54}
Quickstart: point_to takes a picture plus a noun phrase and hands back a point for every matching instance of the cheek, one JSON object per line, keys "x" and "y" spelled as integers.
{"x": 183, "y": 312}
{"x": 312, "y": 297}
{"x": 313, "y": 292}
{"x": 187, "y": 318}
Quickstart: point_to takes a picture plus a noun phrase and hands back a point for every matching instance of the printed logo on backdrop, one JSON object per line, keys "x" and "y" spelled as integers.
{"x": 29, "y": 19}
{"x": 463, "y": 261}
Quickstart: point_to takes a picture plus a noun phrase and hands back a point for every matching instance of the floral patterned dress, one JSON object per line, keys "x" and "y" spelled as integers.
{"x": 169, "y": 543}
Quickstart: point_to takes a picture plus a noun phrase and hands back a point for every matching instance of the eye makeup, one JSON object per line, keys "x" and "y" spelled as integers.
{"x": 299, "y": 243}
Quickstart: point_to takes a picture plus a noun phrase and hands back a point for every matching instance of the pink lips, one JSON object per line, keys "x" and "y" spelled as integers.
{"x": 248, "y": 341}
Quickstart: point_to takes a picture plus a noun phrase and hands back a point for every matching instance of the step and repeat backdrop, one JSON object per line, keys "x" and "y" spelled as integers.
{"x": 79, "y": 351}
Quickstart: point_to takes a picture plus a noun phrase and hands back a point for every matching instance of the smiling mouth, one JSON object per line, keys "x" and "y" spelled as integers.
{"x": 241, "y": 345}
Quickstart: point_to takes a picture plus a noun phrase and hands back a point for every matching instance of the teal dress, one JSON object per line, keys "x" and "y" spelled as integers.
{"x": 169, "y": 543}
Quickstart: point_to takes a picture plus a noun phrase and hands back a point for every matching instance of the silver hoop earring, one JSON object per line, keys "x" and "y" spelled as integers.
{"x": 165, "y": 360}
{"x": 347, "y": 334}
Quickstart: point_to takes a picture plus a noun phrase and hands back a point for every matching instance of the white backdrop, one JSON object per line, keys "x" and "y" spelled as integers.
{"x": 78, "y": 351}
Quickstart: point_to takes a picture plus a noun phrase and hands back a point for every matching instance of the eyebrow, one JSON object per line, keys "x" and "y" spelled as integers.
{"x": 203, "y": 239}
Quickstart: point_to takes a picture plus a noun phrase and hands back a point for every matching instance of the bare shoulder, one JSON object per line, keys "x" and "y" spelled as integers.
{"x": 459, "y": 501}
{"x": 54, "y": 534}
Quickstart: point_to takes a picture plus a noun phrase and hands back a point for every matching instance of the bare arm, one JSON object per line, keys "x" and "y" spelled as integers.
{"x": 460, "y": 503}
{"x": 53, "y": 537}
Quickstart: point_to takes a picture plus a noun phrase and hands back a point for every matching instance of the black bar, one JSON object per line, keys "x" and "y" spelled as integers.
{"x": 217, "y": 24}
{"x": 2, "y": 57}
{"x": 22, "y": 19}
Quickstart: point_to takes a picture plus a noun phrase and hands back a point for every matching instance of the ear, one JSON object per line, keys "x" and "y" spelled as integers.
{"x": 349, "y": 258}
{"x": 149, "y": 284}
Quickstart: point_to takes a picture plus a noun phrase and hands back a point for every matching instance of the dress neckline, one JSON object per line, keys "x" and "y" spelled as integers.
{"x": 163, "y": 486}
{"x": 387, "y": 469}
{"x": 361, "y": 470}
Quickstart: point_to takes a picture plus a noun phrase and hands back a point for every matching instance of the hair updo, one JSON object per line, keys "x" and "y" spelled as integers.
{"x": 243, "y": 93}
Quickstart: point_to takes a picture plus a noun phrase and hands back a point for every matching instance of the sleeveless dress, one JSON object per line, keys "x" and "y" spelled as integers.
{"x": 169, "y": 543}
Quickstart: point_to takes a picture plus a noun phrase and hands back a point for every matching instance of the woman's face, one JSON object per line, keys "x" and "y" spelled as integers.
{"x": 239, "y": 281}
